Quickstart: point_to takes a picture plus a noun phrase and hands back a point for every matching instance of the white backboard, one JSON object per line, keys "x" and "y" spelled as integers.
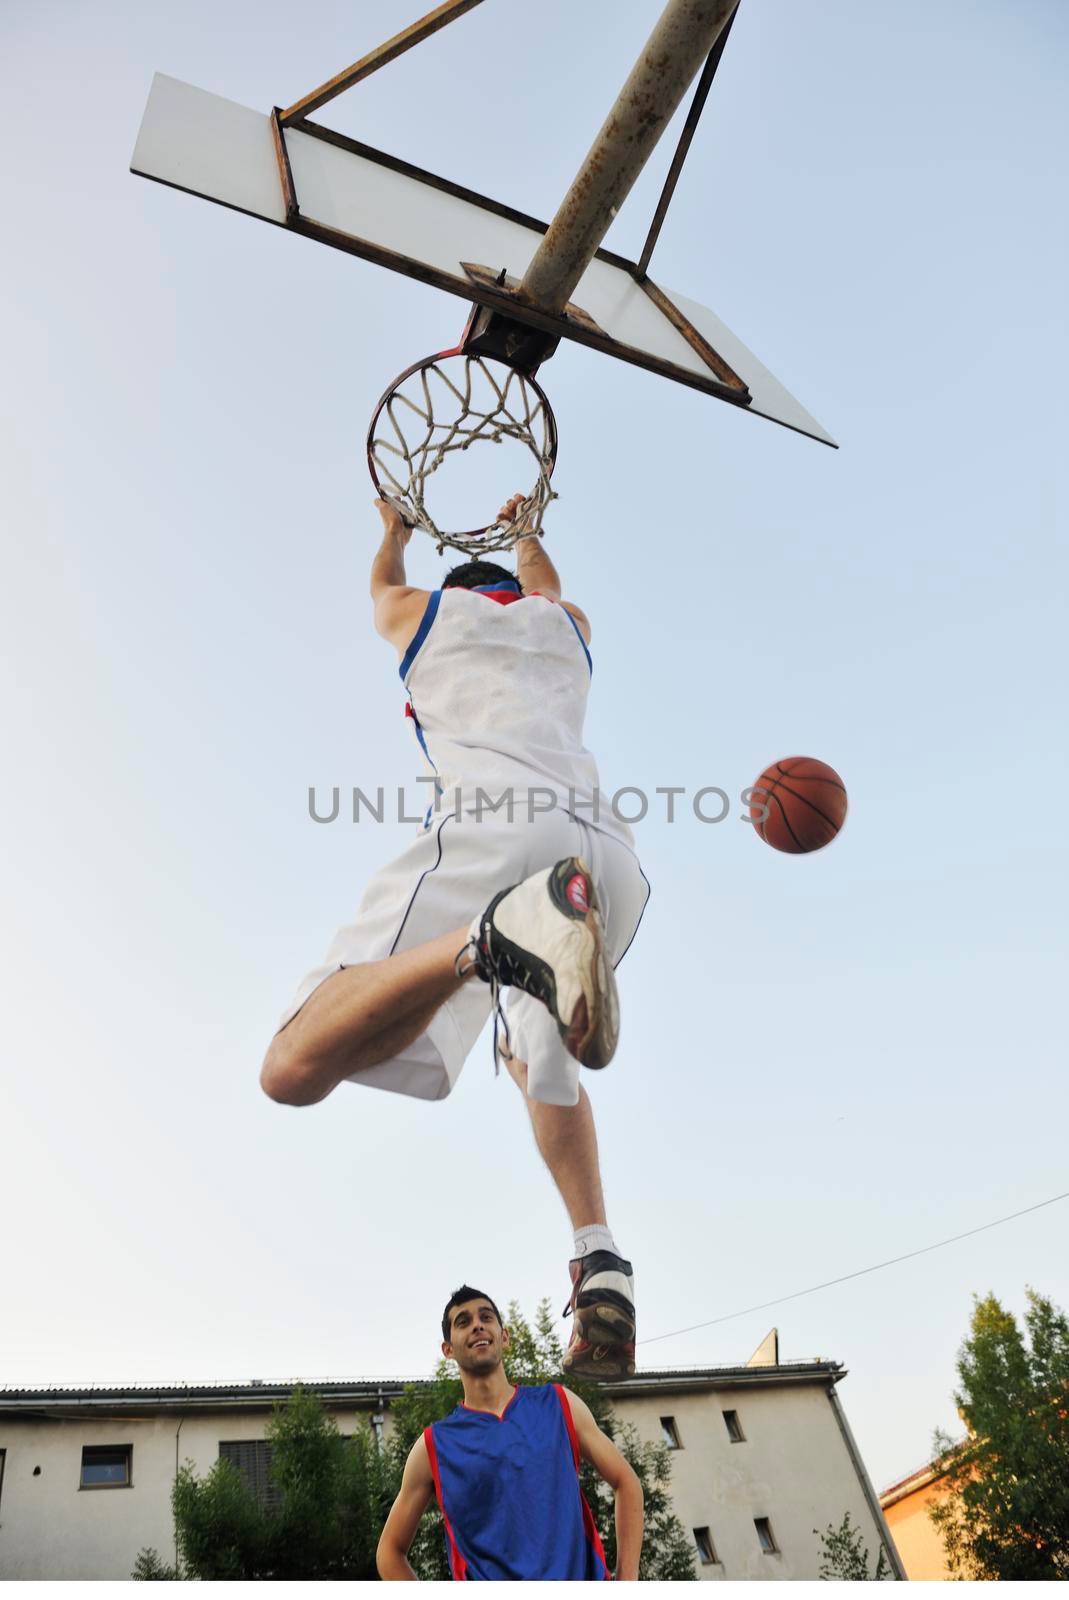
{"x": 375, "y": 206}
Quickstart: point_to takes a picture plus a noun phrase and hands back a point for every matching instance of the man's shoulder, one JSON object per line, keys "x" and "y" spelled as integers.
{"x": 401, "y": 600}
{"x": 398, "y": 611}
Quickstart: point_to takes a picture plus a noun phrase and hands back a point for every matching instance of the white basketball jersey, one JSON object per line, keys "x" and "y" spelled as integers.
{"x": 498, "y": 694}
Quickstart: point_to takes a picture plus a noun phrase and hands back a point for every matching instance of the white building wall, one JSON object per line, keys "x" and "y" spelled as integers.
{"x": 792, "y": 1467}
{"x": 52, "y": 1528}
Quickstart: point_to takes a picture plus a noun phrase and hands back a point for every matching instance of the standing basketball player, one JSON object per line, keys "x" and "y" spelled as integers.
{"x": 504, "y": 1467}
{"x": 520, "y": 880}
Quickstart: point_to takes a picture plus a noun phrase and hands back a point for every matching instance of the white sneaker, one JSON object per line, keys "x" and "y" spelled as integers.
{"x": 545, "y": 936}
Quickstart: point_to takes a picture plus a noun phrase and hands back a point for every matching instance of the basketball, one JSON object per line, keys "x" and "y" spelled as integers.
{"x": 806, "y": 801}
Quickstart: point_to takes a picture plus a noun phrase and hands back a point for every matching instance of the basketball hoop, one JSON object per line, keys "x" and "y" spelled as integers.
{"x": 437, "y": 407}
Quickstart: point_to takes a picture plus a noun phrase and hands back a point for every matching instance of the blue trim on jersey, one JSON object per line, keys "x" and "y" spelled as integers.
{"x": 582, "y": 641}
{"x": 494, "y": 588}
{"x": 425, "y": 622}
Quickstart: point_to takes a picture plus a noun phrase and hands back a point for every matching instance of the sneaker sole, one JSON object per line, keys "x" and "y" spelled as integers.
{"x": 604, "y": 1363}
{"x": 602, "y": 1322}
{"x": 592, "y": 1032}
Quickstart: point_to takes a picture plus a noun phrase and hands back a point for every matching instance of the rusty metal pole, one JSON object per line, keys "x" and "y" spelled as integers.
{"x": 674, "y": 52}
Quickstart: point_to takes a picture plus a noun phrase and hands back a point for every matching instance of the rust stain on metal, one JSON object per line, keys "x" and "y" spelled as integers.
{"x": 285, "y": 172}
{"x": 683, "y": 37}
{"x": 700, "y": 345}
{"x": 697, "y": 106}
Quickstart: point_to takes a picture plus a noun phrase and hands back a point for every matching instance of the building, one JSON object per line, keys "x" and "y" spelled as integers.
{"x": 762, "y": 1456}
{"x": 918, "y": 1541}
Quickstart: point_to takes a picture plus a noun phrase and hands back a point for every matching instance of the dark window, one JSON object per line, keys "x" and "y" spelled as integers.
{"x": 706, "y": 1553}
{"x": 252, "y": 1457}
{"x": 764, "y": 1535}
{"x": 106, "y": 1466}
{"x": 670, "y": 1433}
{"x": 734, "y": 1427}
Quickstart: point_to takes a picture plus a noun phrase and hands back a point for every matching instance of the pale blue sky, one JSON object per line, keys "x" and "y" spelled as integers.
{"x": 825, "y": 1062}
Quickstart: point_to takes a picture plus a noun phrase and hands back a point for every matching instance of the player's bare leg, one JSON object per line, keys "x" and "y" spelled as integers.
{"x": 543, "y": 935}
{"x": 603, "y": 1295}
{"x": 360, "y": 1016}
{"x": 568, "y": 1144}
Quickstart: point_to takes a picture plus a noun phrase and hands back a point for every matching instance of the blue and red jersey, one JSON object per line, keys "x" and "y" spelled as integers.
{"x": 508, "y": 1489}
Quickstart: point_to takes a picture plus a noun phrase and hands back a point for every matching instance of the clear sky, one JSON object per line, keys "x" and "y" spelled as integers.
{"x": 825, "y": 1062}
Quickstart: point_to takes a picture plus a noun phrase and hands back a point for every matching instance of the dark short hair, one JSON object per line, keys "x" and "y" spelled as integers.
{"x": 477, "y": 575}
{"x": 460, "y": 1297}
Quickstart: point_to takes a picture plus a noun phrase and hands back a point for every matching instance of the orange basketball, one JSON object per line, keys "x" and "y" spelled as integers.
{"x": 806, "y": 803}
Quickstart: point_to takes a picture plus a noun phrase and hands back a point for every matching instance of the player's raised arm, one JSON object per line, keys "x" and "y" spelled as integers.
{"x": 622, "y": 1479}
{"x": 414, "y": 1496}
{"x": 536, "y": 572}
{"x": 398, "y": 606}
{"x": 388, "y": 567}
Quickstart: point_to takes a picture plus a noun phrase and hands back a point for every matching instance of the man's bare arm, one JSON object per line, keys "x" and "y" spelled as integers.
{"x": 388, "y": 567}
{"x": 622, "y": 1479}
{"x": 535, "y": 570}
{"x": 398, "y": 607}
{"x": 395, "y": 1541}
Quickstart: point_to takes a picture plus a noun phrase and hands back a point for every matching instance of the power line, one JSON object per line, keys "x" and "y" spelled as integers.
{"x": 847, "y": 1276}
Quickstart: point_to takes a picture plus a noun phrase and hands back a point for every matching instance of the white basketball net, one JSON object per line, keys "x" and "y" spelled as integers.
{"x": 489, "y": 410}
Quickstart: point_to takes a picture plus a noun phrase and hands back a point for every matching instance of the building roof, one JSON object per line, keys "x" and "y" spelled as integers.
{"x": 919, "y": 1478}
{"x": 260, "y": 1395}
{"x": 907, "y": 1486}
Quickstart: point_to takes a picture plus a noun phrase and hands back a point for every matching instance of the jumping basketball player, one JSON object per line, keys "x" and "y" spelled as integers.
{"x": 520, "y": 880}
{"x": 504, "y": 1467}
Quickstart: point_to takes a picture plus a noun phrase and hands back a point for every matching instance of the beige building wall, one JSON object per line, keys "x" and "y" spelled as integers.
{"x": 51, "y": 1528}
{"x": 792, "y": 1467}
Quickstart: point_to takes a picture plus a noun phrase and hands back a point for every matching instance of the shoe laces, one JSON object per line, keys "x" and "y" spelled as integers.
{"x": 473, "y": 958}
{"x": 467, "y": 960}
{"x": 508, "y": 971}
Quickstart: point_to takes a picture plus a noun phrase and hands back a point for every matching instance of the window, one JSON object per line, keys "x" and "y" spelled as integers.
{"x": 670, "y": 1433}
{"x": 252, "y": 1457}
{"x": 734, "y": 1427}
{"x": 764, "y": 1535}
{"x": 106, "y": 1466}
{"x": 706, "y": 1553}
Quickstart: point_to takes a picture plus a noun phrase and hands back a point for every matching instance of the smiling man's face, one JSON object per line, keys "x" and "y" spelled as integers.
{"x": 476, "y": 1338}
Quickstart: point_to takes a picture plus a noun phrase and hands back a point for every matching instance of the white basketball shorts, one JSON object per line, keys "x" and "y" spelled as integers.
{"x": 443, "y": 881}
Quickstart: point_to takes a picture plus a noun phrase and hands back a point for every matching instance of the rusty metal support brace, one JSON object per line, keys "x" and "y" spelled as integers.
{"x": 285, "y": 171}
{"x": 697, "y": 106}
{"x": 678, "y": 45}
{"x": 405, "y": 40}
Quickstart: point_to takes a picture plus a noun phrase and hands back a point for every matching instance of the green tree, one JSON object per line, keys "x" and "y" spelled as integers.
{"x": 844, "y": 1557}
{"x": 535, "y": 1357}
{"x": 1007, "y": 1511}
{"x": 330, "y": 1503}
{"x": 151, "y": 1568}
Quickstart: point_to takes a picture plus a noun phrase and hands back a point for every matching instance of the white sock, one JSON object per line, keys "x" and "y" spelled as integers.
{"x": 598, "y": 1236}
